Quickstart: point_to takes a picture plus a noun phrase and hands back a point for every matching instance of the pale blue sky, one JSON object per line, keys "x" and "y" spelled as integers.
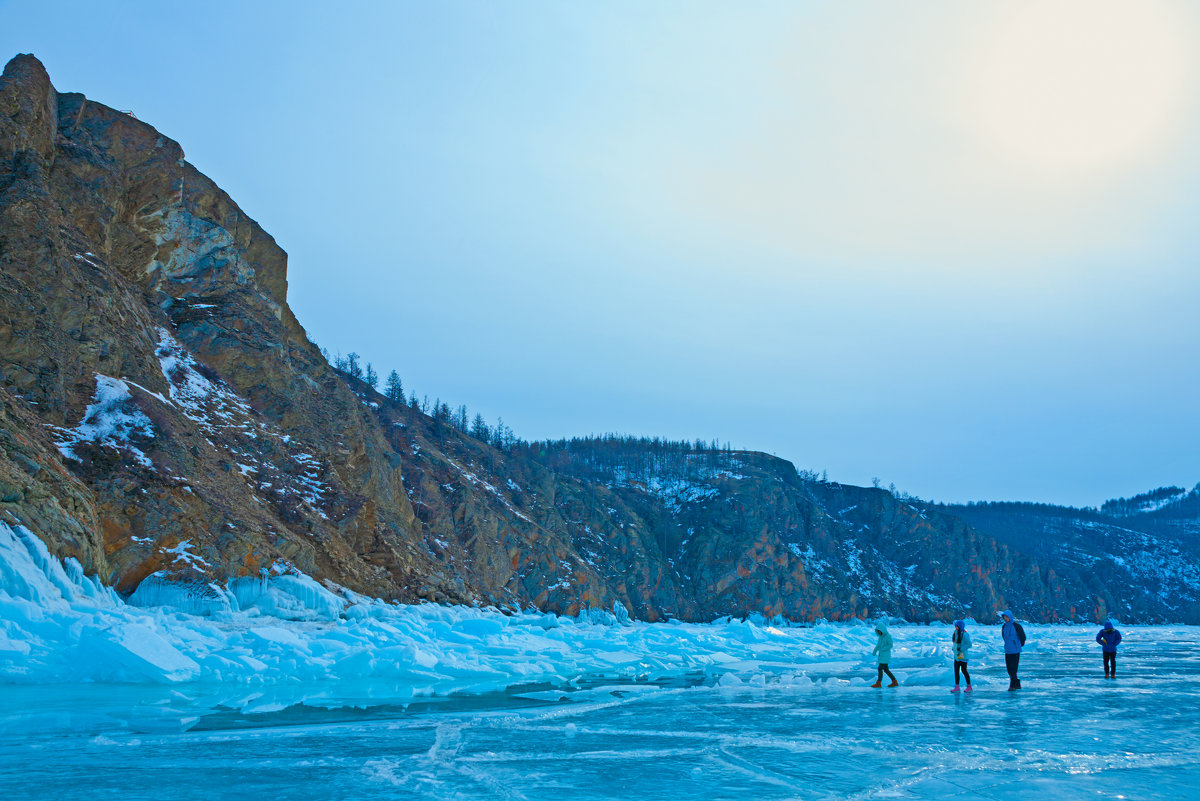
{"x": 949, "y": 245}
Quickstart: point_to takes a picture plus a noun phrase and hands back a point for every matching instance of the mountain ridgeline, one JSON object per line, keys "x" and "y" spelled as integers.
{"x": 165, "y": 420}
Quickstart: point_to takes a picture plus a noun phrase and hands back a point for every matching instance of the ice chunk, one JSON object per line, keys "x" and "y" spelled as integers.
{"x": 289, "y": 596}
{"x": 197, "y": 598}
{"x": 129, "y": 651}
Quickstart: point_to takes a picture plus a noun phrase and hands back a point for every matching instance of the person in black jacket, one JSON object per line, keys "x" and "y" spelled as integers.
{"x": 1109, "y": 638}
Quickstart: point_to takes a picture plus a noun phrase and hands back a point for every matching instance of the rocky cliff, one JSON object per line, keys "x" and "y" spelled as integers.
{"x": 165, "y": 420}
{"x": 1138, "y": 558}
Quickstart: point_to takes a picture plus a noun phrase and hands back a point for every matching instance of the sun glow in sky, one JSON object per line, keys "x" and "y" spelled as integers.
{"x": 1072, "y": 89}
{"x": 951, "y": 245}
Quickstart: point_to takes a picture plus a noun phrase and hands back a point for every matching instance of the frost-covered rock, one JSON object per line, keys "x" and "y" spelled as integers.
{"x": 193, "y": 597}
{"x": 291, "y": 596}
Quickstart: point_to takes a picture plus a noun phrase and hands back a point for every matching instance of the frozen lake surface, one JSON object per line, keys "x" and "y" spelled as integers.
{"x": 288, "y": 688}
{"x": 1069, "y": 734}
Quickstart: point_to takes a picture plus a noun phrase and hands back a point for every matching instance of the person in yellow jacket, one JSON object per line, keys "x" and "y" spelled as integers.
{"x": 960, "y": 642}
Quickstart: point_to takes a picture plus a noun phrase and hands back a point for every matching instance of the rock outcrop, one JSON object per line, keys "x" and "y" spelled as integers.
{"x": 135, "y": 289}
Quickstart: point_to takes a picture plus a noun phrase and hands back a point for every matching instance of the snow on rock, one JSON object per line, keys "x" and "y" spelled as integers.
{"x": 476, "y": 480}
{"x": 206, "y": 401}
{"x": 217, "y": 408}
{"x": 112, "y": 420}
{"x": 676, "y": 491}
{"x": 182, "y": 553}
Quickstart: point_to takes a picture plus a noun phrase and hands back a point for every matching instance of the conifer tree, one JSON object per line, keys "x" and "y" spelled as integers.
{"x": 352, "y": 366}
{"x": 372, "y": 377}
{"x": 393, "y": 390}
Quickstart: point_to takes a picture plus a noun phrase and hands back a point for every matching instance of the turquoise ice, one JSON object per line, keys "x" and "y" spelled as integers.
{"x": 298, "y": 690}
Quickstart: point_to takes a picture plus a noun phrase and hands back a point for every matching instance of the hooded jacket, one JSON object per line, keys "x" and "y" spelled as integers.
{"x": 884, "y": 647}
{"x": 960, "y": 646}
{"x": 1012, "y": 640}
{"x": 1109, "y": 637}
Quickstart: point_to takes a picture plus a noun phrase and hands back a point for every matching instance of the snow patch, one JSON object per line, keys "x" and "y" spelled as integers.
{"x": 112, "y": 420}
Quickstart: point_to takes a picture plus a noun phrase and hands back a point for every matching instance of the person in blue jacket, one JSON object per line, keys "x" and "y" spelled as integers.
{"x": 1014, "y": 640}
{"x": 1109, "y": 638}
{"x": 883, "y": 653}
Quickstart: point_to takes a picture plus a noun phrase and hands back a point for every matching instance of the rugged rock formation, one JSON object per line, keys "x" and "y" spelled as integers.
{"x": 1138, "y": 559}
{"x": 135, "y": 290}
{"x": 162, "y": 413}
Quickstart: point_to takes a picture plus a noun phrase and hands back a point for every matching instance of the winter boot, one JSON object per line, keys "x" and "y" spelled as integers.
{"x": 969, "y": 688}
{"x": 956, "y": 689}
{"x": 877, "y": 684}
{"x": 894, "y": 683}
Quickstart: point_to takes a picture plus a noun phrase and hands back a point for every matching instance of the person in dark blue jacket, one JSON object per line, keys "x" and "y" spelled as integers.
{"x": 1014, "y": 640}
{"x": 1109, "y": 638}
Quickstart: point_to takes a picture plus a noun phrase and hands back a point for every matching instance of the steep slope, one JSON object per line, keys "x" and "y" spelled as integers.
{"x": 1136, "y": 558}
{"x": 144, "y": 320}
{"x": 165, "y": 420}
{"x": 739, "y": 531}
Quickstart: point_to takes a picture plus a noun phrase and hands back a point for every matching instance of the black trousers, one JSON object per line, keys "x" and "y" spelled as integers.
{"x": 960, "y": 664}
{"x": 879, "y": 673}
{"x": 1110, "y": 663}
{"x": 1011, "y": 661}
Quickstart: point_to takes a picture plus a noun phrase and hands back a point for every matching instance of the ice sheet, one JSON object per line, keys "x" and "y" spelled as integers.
{"x": 292, "y": 689}
{"x": 1070, "y": 734}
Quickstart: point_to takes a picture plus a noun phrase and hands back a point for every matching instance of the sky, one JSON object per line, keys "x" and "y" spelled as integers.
{"x": 948, "y": 246}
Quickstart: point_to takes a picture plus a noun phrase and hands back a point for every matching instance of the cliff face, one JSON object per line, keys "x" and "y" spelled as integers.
{"x": 144, "y": 322}
{"x": 164, "y": 418}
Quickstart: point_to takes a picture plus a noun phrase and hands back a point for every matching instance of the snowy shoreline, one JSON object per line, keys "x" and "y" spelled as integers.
{"x": 59, "y": 626}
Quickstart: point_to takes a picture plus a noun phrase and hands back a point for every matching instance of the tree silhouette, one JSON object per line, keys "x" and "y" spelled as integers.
{"x": 352, "y": 366}
{"x": 393, "y": 390}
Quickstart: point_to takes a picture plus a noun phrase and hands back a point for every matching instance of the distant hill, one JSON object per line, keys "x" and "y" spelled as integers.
{"x": 1137, "y": 557}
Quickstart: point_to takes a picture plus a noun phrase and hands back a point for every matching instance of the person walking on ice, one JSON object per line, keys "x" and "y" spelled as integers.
{"x": 1109, "y": 638}
{"x": 1014, "y": 640}
{"x": 961, "y": 642}
{"x": 883, "y": 651}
